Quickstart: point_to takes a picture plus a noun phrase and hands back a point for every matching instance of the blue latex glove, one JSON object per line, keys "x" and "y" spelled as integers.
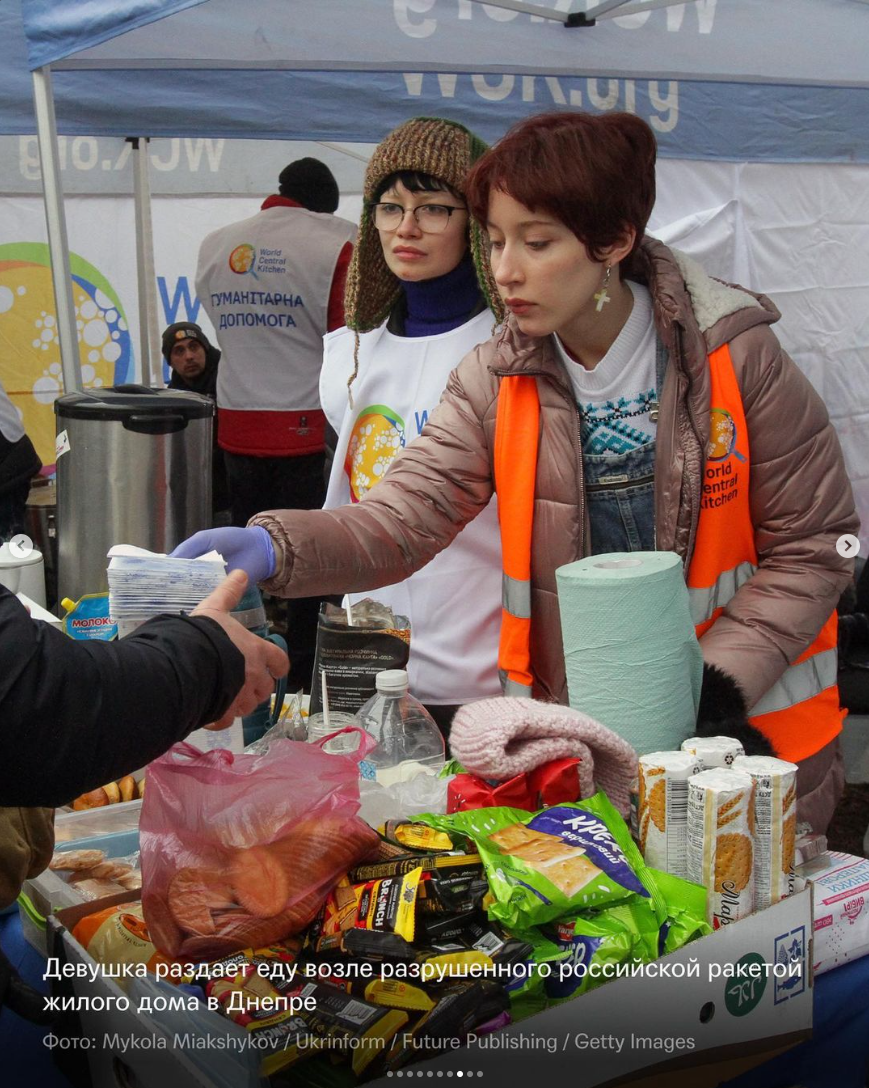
{"x": 250, "y": 550}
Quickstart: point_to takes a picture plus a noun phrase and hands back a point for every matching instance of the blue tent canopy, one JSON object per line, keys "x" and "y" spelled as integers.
{"x": 757, "y": 80}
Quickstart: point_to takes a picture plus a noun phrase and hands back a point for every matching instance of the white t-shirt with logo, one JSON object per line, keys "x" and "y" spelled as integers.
{"x": 454, "y": 602}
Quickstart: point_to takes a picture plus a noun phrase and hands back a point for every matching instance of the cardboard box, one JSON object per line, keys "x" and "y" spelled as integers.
{"x": 725, "y": 1017}
{"x": 734, "y": 1023}
{"x": 840, "y": 894}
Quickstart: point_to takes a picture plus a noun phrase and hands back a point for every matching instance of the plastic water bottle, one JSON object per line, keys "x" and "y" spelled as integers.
{"x": 408, "y": 740}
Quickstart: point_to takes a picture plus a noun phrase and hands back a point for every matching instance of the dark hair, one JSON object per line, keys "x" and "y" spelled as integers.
{"x": 594, "y": 173}
{"x": 311, "y": 183}
{"x": 415, "y": 181}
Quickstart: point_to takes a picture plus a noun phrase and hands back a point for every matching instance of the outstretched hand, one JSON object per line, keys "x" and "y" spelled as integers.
{"x": 263, "y": 661}
{"x": 250, "y": 550}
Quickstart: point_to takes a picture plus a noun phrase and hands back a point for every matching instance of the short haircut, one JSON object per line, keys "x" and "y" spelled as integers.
{"x": 593, "y": 172}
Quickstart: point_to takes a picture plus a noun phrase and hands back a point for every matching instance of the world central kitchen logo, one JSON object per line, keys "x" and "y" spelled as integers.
{"x": 242, "y": 260}
{"x": 246, "y": 260}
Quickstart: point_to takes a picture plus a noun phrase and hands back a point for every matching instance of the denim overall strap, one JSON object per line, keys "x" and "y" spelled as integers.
{"x": 620, "y": 487}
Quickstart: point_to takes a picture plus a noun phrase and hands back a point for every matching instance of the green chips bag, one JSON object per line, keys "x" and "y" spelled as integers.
{"x": 595, "y": 943}
{"x": 686, "y": 911}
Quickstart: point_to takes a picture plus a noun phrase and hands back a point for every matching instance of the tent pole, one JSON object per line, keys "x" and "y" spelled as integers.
{"x": 612, "y": 9}
{"x": 149, "y": 333}
{"x": 528, "y": 9}
{"x": 355, "y": 154}
{"x": 55, "y": 219}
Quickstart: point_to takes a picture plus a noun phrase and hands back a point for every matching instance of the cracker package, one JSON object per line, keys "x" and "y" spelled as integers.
{"x": 663, "y": 809}
{"x": 721, "y": 842}
{"x": 558, "y": 861}
{"x": 713, "y": 751}
{"x": 775, "y": 824}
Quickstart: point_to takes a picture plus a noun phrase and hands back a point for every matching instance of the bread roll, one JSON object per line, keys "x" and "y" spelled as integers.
{"x": 94, "y": 799}
{"x": 127, "y": 786}
{"x": 113, "y": 792}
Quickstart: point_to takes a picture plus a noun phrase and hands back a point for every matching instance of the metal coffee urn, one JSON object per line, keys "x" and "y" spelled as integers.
{"x": 133, "y": 467}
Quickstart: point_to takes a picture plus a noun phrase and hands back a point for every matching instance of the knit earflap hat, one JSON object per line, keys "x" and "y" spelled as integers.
{"x": 428, "y": 145}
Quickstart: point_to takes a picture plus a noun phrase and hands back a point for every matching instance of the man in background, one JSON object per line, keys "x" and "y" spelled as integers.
{"x": 272, "y": 285}
{"x": 193, "y": 360}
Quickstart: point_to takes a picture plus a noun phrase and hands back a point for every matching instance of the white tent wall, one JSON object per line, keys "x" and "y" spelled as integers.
{"x": 797, "y": 232}
{"x": 800, "y": 234}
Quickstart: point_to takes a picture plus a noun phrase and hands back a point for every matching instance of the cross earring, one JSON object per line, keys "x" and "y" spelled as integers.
{"x": 602, "y": 296}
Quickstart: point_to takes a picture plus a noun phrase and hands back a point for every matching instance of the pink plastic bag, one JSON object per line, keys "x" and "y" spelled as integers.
{"x": 239, "y": 851}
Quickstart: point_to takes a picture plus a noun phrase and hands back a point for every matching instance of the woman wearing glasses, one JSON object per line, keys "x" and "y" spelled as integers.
{"x": 413, "y": 309}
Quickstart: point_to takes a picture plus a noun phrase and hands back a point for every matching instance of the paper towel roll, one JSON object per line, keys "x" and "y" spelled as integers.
{"x": 631, "y": 656}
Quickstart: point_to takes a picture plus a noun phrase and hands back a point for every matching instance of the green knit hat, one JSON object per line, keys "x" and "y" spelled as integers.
{"x": 428, "y": 145}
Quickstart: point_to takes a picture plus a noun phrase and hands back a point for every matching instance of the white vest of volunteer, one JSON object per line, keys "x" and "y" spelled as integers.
{"x": 265, "y": 283}
{"x": 454, "y": 602}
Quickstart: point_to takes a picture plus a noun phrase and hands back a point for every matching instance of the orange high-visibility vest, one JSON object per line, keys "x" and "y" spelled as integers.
{"x": 800, "y": 713}
{"x": 517, "y": 428}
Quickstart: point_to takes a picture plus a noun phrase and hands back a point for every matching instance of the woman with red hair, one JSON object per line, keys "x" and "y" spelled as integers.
{"x": 628, "y": 402}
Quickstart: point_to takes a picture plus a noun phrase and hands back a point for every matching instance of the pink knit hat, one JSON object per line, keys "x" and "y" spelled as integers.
{"x": 499, "y": 738}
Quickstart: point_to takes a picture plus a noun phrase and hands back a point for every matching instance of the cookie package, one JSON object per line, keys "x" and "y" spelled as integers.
{"x": 721, "y": 842}
{"x": 663, "y": 809}
{"x": 775, "y": 823}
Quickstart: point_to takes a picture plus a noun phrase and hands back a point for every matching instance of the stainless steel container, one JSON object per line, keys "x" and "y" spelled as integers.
{"x": 133, "y": 467}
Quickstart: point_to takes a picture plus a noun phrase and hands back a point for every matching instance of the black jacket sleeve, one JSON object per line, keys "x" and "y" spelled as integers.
{"x": 75, "y": 715}
{"x": 330, "y": 445}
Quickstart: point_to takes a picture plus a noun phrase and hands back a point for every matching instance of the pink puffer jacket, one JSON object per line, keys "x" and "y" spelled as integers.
{"x": 800, "y": 495}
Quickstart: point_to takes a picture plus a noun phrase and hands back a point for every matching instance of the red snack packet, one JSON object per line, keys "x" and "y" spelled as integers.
{"x": 551, "y": 783}
{"x": 556, "y": 782}
{"x": 467, "y": 791}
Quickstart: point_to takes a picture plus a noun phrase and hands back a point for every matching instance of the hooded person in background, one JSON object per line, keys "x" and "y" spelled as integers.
{"x": 193, "y": 360}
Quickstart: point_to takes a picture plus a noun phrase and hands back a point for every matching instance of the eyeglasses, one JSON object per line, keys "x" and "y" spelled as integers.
{"x": 430, "y": 218}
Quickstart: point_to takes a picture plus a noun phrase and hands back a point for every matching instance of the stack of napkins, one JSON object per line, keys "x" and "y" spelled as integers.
{"x": 143, "y": 584}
